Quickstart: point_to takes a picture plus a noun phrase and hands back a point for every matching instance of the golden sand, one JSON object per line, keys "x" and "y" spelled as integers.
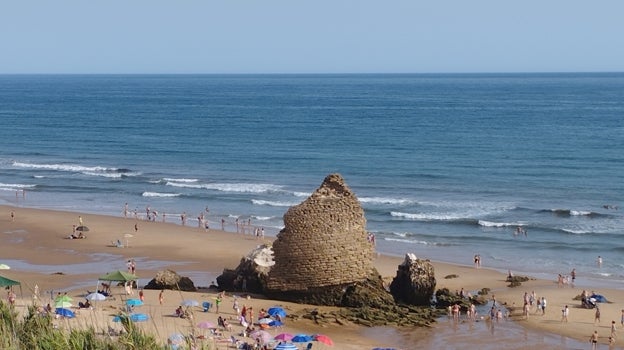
{"x": 38, "y": 238}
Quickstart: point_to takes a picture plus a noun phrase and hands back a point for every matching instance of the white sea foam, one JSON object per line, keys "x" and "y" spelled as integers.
{"x": 109, "y": 175}
{"x": 159, "y": 194}
{"x": 15, "y": 186}
{"x": 580, "y": 212}
{"x": 496, "y": 224}
{"x": 180, "y": 180}
{"x": 273, "y": 203}
{"x": 64, "y": 167}
{"x": 262, "y": 218}
{"x": 228, "y": 187}
{"x": 386, "y": 200}
{"x": 302, "y": 194}
{"x": 425, "y": 217}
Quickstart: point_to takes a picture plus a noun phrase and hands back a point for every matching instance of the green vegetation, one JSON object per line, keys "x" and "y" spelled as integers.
{"x": 36, "y": 331}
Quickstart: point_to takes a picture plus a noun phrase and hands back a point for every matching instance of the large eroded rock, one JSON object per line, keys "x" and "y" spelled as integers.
{"x": 414, "y": 282}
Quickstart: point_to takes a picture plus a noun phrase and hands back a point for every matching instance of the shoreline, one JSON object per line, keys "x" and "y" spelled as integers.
{"x": 37, "y": 236}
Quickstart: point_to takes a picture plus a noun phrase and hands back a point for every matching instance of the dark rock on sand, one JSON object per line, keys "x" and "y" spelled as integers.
{"x": 168, "y": 279}
{"x": 415, "y": 281}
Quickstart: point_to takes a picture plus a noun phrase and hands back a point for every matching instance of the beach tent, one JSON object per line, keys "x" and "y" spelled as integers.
{"x": 5, "y": 282}
{"x": 118, "y": 276}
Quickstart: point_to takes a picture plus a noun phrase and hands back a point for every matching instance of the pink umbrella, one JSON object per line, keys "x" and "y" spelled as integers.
{"x": 264, "y": 336}
{"x": 284, "y": 336}
{"x": 321, "y": 338}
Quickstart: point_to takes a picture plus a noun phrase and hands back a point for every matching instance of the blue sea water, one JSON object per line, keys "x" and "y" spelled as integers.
{"x": 445, "y": 166}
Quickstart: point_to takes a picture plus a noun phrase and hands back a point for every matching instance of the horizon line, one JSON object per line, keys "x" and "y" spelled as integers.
{"x": 332, "y": 73}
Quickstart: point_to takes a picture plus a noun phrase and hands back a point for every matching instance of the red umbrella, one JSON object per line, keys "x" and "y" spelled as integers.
{"x": 321, "y": 338}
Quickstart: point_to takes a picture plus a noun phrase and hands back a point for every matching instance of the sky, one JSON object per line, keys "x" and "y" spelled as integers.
{"x": 320, "y": 36}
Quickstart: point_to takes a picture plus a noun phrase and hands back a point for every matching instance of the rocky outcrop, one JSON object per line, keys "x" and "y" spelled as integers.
{"x": 251, "y": 273}
{"x": 323, "y": 248}
{"x": 415, "y": 281}
{"x": 168, "y": 279}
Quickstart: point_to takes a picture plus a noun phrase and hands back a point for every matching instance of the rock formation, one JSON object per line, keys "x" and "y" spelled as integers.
{"x": 251, "y": 273}
{"x": 323, "y": 247}
{"x": 168, "y": 279}
{"x": 415, "y": 281}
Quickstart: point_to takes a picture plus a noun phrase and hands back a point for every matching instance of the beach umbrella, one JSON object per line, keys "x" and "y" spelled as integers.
{"x": 63, "y": 297}
{"x": 82, "y": 229}
{"x": 5, "y": 267}
{"x": 286, "y": 346}
{"x": 276, "y": 323}
{"x": 139, "y": 317}
{"x": 62, "y": 304}
{"x": 265, "y": 320}
{"x": 264, "y": 336}
{"x": 206, "y": 325}
{"x": 134, "y": 302}
{"x": 65, "y": 312}
{"x": 95, "y": 296}
{"x": 176, "y": 339}
{"x": 189, "y": 302}
{"x": 276, "y": 311}
{"x": 284, "y": 336}
{"x": 322, "y": 338}
{"x": 301, "y": 338}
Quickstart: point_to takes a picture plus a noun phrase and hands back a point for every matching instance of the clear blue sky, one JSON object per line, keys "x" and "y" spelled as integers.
{"x": 320, "y": 36}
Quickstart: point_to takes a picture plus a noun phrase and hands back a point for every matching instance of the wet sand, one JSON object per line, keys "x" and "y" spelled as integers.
{"x": 36, "y": 248}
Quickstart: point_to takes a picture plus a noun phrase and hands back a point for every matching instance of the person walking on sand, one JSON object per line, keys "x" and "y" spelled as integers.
{"x": 597, "y": 315}
{"x": 80, "y": 220}
{"x": 564, "y": 314}
{"x": 613, "y": 329}
{"x": 161, "y": 297}
{"x": 12, "y": 215}
{"x": 543, "y": 306}
{"x": 594, "y": 340}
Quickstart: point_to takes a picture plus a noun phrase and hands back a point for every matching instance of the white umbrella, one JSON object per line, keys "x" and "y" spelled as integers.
{"x": 4, "y": 267}
{"x": 95, "y": 296}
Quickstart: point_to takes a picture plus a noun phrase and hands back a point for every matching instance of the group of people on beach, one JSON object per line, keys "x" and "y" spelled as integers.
{"x": 203, "y": 222}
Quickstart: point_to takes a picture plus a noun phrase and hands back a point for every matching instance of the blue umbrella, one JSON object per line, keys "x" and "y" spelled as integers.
{"x": 276, "y": 323}
{"x": 133, "y": 317}
{"x": 65, "y": 312}
{"x": 134, "y": 302}
{"x": 286, "y": 346}
{"x": 276, "y": 311}
{"x": 139, "y": 317}
{"x": 302, "y": 338}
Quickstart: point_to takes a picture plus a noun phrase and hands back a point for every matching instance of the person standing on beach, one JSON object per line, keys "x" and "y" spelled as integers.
{"x": 161, "y": 297}
{"x": 564, "y": 314}
{"x": 136, "y": 227}
{"x": 80, "y": 220}
{"x": 12, "y": 215}
{"x": 594, "y": 340}
{"x": 597, "y": 315}
{"x": 573, "y": 275}
{"x": 543, "y": 306}
{"x": 599, "y": 261}
{"x": 613, "y": 329}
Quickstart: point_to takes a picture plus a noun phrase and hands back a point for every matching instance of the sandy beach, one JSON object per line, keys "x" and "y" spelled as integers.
{"x": 35, "y": 245}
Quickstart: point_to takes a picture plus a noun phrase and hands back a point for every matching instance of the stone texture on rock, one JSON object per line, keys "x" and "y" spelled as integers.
{"x": 414, "y": 282}
{"x": 168, "y": 279}
{"x": 323, "y": 246}
{"x": 251, "y": 273}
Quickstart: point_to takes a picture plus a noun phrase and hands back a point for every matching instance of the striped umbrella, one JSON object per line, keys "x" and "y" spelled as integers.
{"x": 286, "y": 346}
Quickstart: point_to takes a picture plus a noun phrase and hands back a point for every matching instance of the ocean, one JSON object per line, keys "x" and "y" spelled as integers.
{"x": 446, "y": 166}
